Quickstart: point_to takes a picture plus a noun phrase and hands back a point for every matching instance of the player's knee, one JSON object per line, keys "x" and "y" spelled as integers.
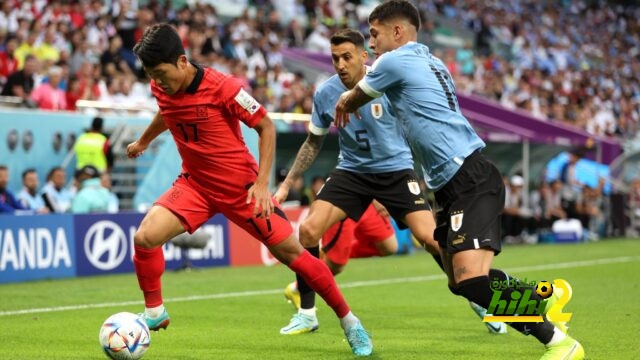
{"x": 144, "y": 239}
{"x": 309, "y": 234}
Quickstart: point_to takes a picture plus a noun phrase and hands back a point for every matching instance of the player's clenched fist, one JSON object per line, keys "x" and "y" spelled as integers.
{"x": 135, "y": 149}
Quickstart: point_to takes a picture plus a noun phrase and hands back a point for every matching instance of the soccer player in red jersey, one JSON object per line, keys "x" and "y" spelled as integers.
{"x": 202, "y": 108}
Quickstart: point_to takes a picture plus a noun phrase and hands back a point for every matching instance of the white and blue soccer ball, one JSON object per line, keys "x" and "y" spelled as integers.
{"x": 124, "y": 336}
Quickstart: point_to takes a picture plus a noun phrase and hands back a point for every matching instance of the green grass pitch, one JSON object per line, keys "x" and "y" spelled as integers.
{"x": 411, "y": 316}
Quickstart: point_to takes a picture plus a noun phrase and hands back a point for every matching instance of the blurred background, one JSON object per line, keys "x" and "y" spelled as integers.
{"x": 553, "y": 87}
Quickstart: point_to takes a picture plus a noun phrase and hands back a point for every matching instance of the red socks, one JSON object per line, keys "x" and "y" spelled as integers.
{"x": 319, "y": 277}
{"x": 360, "y": 249}
{"x": 149, "y": 264}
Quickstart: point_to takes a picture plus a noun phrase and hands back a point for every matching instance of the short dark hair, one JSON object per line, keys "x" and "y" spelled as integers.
{"x": 348, "y": 35}
{"x": 160, "y": 43}
{"x": 53, "y": 170}
{"x": 395, "y": 9}
{"x": 96, "y": 124}
{"x": 27, "y": 171}
{"x": 4, "y": 167}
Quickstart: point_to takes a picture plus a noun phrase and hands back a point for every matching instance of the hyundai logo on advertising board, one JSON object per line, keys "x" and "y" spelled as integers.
{"x": 104, "y": 244}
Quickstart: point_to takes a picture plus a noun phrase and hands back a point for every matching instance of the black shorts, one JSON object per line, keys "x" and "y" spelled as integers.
{"x": 471, "y": 207}
{"x": 398, "y": 191}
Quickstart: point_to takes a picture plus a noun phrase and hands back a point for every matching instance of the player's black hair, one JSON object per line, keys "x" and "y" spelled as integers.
{"x": 4, "y": 167}
{"x": 160, "y": 43}
{"x": 348, "y": 35}
{"x": 396, "y": 9}
{"x": 27, "y": 171}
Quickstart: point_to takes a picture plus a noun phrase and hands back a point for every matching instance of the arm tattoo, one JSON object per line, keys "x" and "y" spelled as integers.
{"x": 306, "y": 156}
{"x": 356, "y": 99}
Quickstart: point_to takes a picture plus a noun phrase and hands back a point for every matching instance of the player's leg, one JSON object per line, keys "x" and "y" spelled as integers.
{"x": 336, "y": 242}
{"x": 336, "y": 245}
{"x": 474, "y": 199}
{"x": 341, "y": 196}
{"x": 276, "y": 233}
{"x": 374, "y": 236}
{"x": 180, "y": 208}
{"x": 320, "y": 279}
{"x": 322, "y": 216}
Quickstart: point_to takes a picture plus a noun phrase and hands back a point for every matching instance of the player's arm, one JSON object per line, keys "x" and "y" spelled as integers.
{"x": 267, "y": 146}
{"x": 152, "y": 131}
{"x": 306, "y": 156}
{"x": 385, "y": 73}
{"x": 348, "y": 103}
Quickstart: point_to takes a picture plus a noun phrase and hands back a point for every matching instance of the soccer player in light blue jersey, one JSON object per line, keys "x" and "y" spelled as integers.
{"x": 467, "y": 187}
{"x": 375, "y": 162}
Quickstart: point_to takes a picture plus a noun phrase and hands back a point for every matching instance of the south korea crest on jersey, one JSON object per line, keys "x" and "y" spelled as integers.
{"x": 414, "y": 188}
{"x": 456, "y": 220}
{"x": 376, "y": 110}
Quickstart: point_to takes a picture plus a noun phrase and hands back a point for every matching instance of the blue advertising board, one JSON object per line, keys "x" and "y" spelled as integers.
{"x": 104, "y": 244}
{"x": 39, "y": 249}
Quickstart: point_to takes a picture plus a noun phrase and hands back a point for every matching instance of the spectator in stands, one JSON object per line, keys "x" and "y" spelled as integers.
{"x": 27, "y": 48}
{"x": 538, "y": 204}
{"x": 591, "y": 212}
{"x": 516, "y": 218}
{"x": 47, "y": 52}
{"x": 8, "y": 62}
{"x": 318, "y": 40}
{"x": 634, "y": 204}
{"x": 76, "y": 92}
{"x": 20, "y": 83}
{"x": 572, "y": 188}
{"x": 8, "y": 203}
{"x": 92, "y": 197}
{"x": 48, "y": 95}
{"x": 92, "y": 148}
{"x": 56, "y": 197}
{"x": 28, "y": 196}
{"x": 555, "y": 209}
{"x": 114, "y": 202}
{"x": 113, "y": 60}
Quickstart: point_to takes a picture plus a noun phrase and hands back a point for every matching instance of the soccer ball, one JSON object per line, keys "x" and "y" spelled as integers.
{"x": 544, "y": 289}
{"x": 124, "y": 336}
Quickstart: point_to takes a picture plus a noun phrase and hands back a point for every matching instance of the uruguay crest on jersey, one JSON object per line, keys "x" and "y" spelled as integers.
{"x": 376, "y": 110}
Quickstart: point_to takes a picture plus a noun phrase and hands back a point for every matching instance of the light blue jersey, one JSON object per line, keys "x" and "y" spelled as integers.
{"x": 421, "y": 92}
{"x": 373, "y": 144}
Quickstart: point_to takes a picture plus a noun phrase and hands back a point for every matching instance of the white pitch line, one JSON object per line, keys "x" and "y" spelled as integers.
{"x": 565, "y": 265}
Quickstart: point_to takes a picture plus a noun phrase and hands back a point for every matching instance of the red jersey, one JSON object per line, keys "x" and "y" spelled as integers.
{"x": 205, "y": 124}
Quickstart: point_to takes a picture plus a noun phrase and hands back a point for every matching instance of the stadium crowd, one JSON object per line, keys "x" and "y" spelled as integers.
{"x": 544, "y": 57}
{"x": 570, "y": 61}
